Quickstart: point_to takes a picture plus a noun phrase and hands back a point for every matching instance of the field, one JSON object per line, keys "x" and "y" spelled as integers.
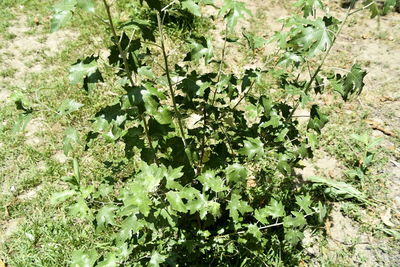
{"x": 360, "y": 145}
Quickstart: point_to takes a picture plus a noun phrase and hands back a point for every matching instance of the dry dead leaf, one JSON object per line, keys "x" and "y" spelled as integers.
{"x": 37, "y": 21}
{"x": 386, "y": 216}
{"x": 251, "y": 183}
{"x": 387, "y": 99}
{"x": 2, "y": 264}
{"x": 376, "y": 125}
{"x": 303, "y": 264}
{"x": 328, "y": 227}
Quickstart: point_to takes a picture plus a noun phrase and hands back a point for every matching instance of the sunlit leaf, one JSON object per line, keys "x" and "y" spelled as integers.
{"x": 175, "y": 199}
{"x": 316, "y": 36}
{"x": 87, "y": 5}
{"x": 275, "y": 210}
{"x": 199, "y": 49}
{"x": 82, "y": 258}
{"x": 156, "y": 259}
{"x": 298, "y": 220}
{"x": 293, "y": 236}
{"x": 339, "y": 188}
{"x": 309, "y": 7}
{"x": 212, "y": 181}
{"x": 233, "y": 12}
{"x": 71, "y": 138}
{"x": 352, "y": 83}
{"x": 237, "y": 206}
{"x": 105, "y": 216}
{"x": 253, "y": 229}
{"x": 81, "y": 70}
{"x": 109, "y": 261}
{"x": 61, "y": 196}
{"x": 62, "y": 14}
{"x": 69, "y": 106}
{"x": 253, "y": 148}
{"x": 236, "y": 173}
{"x": 192, "y": 7}
{"x": 253, "y": 40}
{"x": 304, "y": 202}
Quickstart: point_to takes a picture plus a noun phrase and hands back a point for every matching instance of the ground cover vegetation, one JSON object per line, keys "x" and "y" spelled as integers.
{"x": 198, "y": 161}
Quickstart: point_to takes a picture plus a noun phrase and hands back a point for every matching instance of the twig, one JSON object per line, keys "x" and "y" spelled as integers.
{"x": 362, "y": 8}
{"x": 167, "y": 6}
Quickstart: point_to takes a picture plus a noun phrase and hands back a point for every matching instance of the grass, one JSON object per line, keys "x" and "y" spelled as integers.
{"x": 46, "y": 235}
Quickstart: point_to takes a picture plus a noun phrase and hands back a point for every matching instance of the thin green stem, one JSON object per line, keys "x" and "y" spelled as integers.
{"x": 245, "y": 94}
{"x": 77, "y": 171}
{"x": 220, "y": 64}
{"x": 362, "y": 8}
{"x": 203, "y": 140}
{"x": 205, "y": 115}
{"x": 263, "y": 227}
{"x": 170, "y": 86}
{"x": 121, "y": 51}
{"x": 126, "y": 67}
{"x": 316, "y": 72}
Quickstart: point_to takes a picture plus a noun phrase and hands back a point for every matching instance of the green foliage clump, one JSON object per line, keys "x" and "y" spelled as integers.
{"x": 215, "y": 180}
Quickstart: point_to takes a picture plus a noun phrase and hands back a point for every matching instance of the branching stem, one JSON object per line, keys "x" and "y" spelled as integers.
{"x": 264, "y": 227}
{"x": 362, "y": 8}
{"x": 170, "y": 86}
{"x": 205, "y": 114}
{"x": 316, "y": 72}
{"x": 245, "y": 94}
{"x": 220, "y": 64}
{"x": 127, "y": 70}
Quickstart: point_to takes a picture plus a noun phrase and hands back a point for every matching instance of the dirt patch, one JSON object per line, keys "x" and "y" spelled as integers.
{"x": 363, "y": 249}
{"x": 9, "y": 228}
{"x": 32, "y": 132}
{"x": 60, "y": 157}
{"x": 262, "y": 22}
{"x": 4, "y": 95}
{"x": 323, "y": 164}
{"x": 394, "y": 178}
{"x": 29, "y": 194}
{"x": 26, "y": 52}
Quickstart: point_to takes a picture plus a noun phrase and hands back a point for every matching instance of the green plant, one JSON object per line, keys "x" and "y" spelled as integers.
{"x": 214, "y": 182}
{"x": 367, "y": 147}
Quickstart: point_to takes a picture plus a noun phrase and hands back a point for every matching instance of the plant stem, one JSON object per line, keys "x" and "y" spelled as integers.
{"x": 245, "y": 94}
{"x": 220, "y": 64}
{"x": 309, "y": 84}
{"x": 203, "y": 140}
{"x": 77, "y": 171}
{"x": 127, "y": 70}
{"x": 264, "y": 227}
{"x": 121, "y": 51}
{"x": 171, "y": 89}
{"x": 205, "y": 115}
{"x": 362, "y": 8}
